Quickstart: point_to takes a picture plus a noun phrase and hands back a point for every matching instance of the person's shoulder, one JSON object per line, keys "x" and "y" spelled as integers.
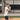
{"x": 6, "y": 7}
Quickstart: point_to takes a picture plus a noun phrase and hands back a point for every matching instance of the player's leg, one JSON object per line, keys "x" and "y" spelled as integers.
{"x": 6, "y": 17}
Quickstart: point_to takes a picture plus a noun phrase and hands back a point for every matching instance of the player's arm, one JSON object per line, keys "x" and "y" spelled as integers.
{"x": 6, "y": 10}
{"x": 9, "y": 9}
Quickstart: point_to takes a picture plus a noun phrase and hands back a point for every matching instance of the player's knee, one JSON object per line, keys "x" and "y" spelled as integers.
{"x": 6, "y": 17}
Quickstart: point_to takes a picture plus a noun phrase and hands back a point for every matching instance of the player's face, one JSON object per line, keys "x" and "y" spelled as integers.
{"x": 8, "y": 5}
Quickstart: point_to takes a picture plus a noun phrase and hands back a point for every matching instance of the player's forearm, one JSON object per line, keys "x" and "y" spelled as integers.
{"x": 9, "y": 9}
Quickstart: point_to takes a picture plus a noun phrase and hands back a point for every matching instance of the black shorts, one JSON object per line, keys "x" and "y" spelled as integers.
{"x": 6, "y": 17}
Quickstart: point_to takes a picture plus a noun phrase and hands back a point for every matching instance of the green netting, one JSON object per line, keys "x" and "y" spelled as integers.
{"x": 0, "y": 0}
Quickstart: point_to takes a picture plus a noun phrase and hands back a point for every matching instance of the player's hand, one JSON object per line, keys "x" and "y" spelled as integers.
{"x": 9, "y": 10}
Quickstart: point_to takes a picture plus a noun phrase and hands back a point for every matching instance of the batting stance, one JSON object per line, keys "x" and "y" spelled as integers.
{"x": 6, "y": 11}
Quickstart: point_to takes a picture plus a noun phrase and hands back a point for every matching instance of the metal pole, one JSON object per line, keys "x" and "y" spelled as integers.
{"x": 13, "y": 6}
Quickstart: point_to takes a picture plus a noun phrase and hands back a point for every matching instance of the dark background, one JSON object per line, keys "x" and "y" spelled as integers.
{"x": 15, "y": 7}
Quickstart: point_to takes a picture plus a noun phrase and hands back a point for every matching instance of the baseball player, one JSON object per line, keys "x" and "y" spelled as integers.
{"x": 6, "y": 11}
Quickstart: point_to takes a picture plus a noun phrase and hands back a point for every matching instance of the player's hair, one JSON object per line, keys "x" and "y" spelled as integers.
{"x": 7, "y": 4}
